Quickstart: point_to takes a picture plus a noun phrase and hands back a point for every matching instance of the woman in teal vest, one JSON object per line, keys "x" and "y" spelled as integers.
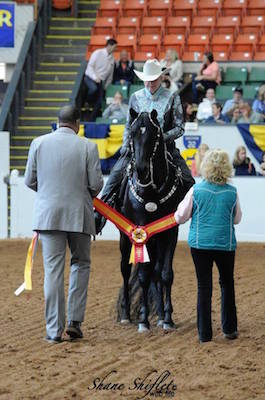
{"x": 214, "y": 208}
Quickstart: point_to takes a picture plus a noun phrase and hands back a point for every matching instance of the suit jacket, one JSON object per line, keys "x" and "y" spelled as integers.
{"x": 64, "y": 169}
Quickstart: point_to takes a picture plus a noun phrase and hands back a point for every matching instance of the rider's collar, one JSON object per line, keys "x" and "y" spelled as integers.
{"x": 155, "y": 95}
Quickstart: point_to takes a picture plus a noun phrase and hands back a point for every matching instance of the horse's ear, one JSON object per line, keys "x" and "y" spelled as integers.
{"x": 133, "y": 114}
{"x": 153, "y": 114}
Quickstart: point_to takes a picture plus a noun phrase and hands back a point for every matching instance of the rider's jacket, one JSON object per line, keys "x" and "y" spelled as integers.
{"x": 166, "y": 104}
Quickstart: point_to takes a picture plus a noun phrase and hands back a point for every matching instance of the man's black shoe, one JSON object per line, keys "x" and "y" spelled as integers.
{"x": 55, "y": 340}
{"x": 231, "y": 336}
{"x": 74, "y": 330}
{"x": 100, "y": 222}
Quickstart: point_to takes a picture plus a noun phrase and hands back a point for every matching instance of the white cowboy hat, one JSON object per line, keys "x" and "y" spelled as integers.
{"x": 152, "y": 70}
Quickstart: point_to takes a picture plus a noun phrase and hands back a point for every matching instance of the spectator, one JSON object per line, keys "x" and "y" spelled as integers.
{"x": 236, "y": 115}
{"x": 168, "y": 83}
{"x": 208, "y": 77}
{"x": 199, "y": 156}
{"x": 189, "y": 113}
{"x": 233, "y": 103}
{"x": 242, "y": 164}
{"x": 205, "y": 107}
{"x": 259, "y": 104}
{"x": 213, "y": 206}
{"x": 117, "y": 110}
{"x": 248, "y": 116}
{"x": 262, "y": 164}
{"x": 217, "y": 117}
{"x": 99, "y": 74}
{"x": 123, "y": 70}
{"x": 174, "y": 65}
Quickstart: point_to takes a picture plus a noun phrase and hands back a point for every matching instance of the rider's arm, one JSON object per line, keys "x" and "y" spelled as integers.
{"x": 126, "y": 134}
{"x": 177, "y": 120}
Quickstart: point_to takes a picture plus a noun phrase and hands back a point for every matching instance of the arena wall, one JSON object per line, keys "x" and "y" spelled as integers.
{"x": 251, "y": 190}
{"x": 4, "y": 171}
{"x": 251, "y": 193}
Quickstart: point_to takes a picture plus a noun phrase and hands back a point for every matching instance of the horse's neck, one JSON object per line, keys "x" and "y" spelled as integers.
{"x": 160, "y": 165}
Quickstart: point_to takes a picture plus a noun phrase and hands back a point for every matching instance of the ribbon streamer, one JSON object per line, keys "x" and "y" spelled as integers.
{"x": 27, "y": 284}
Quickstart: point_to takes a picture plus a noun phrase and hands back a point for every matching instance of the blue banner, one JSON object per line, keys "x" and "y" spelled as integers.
{"x": 7, "y": 24}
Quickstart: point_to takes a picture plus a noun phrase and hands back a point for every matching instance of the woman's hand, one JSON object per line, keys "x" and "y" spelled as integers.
{"x": 199, "y": 78}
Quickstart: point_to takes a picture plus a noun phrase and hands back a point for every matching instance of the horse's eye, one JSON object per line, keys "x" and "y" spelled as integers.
{"x": 143, "y": 129}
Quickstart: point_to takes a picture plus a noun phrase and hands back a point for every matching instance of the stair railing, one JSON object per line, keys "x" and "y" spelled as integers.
{"x": 14, "y": 98}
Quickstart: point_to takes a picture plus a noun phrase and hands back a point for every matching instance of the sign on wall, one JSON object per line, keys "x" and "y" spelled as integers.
{"x": 7, "y": 24}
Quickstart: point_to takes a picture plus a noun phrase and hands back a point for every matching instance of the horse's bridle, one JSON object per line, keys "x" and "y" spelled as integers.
{"x": 133, "y": 186}
{"x": 159, "y": 132}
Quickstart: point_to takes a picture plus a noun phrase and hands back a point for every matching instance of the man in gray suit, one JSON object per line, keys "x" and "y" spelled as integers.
{"x": 64, "y": 170}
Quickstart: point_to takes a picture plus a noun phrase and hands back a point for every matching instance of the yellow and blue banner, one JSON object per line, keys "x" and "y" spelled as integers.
{"x": 108, "y": 139}
{"x": 7, "y": 24}
{"x": 254, "y": 137}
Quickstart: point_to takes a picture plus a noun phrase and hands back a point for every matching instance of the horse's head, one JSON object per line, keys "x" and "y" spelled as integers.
{"x": 145, "y": 135}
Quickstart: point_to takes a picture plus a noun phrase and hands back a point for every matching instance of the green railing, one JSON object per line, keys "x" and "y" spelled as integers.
{"x": 26, "y": 65}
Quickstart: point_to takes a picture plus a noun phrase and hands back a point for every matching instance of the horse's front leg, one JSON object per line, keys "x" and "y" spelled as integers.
{"x": 144, "y": 275}
{"x": 159, "y": 293}
{"x": 125, "y": 247}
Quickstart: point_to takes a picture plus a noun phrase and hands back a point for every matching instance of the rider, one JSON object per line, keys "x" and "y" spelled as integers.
{"x": 170, "y": 118}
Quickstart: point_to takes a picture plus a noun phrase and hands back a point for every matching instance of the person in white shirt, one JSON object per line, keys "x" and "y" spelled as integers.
{"x": 99, "y": 74}
{"x": 205, "y": 107}
{"x": 174, "y": 65}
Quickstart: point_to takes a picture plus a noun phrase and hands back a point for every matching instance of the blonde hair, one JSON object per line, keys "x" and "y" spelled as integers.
{"x": 237, "y": 160}
{"x": 216, "y": 167}
{"x": 198, "y": 156}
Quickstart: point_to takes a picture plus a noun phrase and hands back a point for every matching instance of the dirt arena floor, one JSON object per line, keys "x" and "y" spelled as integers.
{"x": 31, "y": 368}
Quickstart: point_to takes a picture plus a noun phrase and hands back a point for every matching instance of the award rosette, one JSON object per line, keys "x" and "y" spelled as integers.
{"x": 139, "y": 253}
{"x": 138, "y": 235}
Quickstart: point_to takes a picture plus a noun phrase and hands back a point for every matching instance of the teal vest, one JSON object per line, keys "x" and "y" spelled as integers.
{"x": 212, "y": 224}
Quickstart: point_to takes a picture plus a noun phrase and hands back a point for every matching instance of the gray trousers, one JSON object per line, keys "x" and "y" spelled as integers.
{"x": 53, "y": 251}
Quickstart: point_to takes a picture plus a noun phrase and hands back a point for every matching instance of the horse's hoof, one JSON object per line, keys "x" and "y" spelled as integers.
{"x": 160, "y": 323}
{"x": 143, "y": 328}
{"x": 169, "y": 326}
{"x": 125, "y": 321}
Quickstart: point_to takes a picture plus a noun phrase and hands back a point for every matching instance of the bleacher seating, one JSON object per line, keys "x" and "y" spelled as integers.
{"x": 232, "y": 29}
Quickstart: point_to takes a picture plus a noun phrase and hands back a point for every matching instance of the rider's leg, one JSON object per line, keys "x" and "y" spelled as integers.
{"x": 188, "y": 180}
{"x": 111, "y": 187}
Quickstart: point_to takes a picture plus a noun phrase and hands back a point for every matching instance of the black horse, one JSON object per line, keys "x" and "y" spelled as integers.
{"x": 152, "y": 190}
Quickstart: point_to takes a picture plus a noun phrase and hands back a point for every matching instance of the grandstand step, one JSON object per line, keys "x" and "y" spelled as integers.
{"x": 26, "y": 139}
{"x": 87, "y": 13}
{"x": 58, "y": 66}
{"x": 33, "y": 121}
{"x": 66, "y": 48}
{"x": 62, "y": 57}
{"x": 41, "y": 111}
{"x": 61, "y": 30}
{"x": 72, "y": 40}
{"x": 87, "y": 6}
{"x": 16, "y": 151}
{"x": 58, "y": 94}
{"x": 73, "y": 22}
{"x": 40, "y": 84}
{"x": 55, "y": 75}
{"x": 49, "y": 101}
